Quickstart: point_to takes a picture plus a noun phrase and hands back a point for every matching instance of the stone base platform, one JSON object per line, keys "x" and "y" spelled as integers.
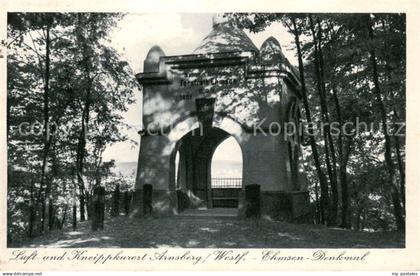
{"x": 275, "y": 205}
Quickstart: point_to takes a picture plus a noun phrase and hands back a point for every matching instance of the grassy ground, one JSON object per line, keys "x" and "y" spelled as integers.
{"x": 207, "y": 232}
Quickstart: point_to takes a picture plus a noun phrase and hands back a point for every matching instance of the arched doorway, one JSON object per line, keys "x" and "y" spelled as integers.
{"x": 226, "y": 174}
{"x": 195, "y": 185}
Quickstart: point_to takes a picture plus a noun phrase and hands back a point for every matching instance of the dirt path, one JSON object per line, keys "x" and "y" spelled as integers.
{"x": 213, "y": 232}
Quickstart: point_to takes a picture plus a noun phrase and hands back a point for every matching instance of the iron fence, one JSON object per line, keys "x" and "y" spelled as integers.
{"x": 226, "y": 182}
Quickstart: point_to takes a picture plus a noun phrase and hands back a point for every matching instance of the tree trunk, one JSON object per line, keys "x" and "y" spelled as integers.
{"x": 32, "y": 211}
{"x": 397, "y": 119}
{"x": 401, "y": 169}
{"x": 324, "y": 100}
{"x": 80, "y": 156}
{"x": 392, "y": 181}
{"x": 343, "y": 157}
{"x": 8, "y": 102}
{"x": 52, "y": 219}
{"x": 333, "y": 206}
{"x": 63, "y": 220}
{"x": 322, "y": 180}
{"x": 359, "y": 213}
{"x": 329, "y": 144}
{"x": 74, "y": 208}
{"x": 43, "y": 210}
{"x": 88, "y": 205}
{"x": 81, "y": 146}
{"x": 74, "y": 216}
{"x": 51, "y": 213}
{"x": 47, "y": 137}
{"x": 345, "y": 205}
{"x": 82, "y": 208}
{"x": 317, "y": 205}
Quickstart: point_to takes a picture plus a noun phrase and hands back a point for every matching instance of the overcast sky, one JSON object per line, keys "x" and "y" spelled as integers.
{"x": 176, "y": 34}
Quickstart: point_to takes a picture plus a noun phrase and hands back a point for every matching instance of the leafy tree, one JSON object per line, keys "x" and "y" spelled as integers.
{"x": 352, "y": 69}
{"x": 67, "y": 89}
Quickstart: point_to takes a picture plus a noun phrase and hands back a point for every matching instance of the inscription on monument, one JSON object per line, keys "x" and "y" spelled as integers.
{"x": 205, "y": 83}
{"x": 210, "y": 81}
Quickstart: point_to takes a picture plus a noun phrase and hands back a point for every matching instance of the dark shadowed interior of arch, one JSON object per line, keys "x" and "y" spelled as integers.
{"x": 208, "y": 170}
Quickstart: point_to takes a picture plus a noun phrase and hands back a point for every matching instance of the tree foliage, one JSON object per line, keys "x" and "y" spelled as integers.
{"x": 67, "y": 90}
{"x": 352, "y": 69}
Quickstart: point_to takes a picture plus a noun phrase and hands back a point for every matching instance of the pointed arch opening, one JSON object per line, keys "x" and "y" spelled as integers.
{"x": 207, "y": 170}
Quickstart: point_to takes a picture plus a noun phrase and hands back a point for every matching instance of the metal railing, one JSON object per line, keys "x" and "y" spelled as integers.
{"x": 226, "y": 182}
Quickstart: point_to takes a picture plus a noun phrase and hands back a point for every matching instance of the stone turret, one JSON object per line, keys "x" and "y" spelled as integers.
{"x": 270, "y": 52}
{"x": 151, "y": 64}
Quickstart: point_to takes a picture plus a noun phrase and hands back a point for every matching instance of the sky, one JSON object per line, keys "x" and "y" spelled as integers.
{"x": 229, "y": 150}
{"x": 176, "y": 34}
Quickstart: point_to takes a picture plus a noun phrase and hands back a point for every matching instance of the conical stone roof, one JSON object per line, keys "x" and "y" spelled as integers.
{"x": 225, "y": 37}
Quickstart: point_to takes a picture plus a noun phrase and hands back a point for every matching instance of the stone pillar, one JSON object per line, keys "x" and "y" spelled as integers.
{"x": 98, "y": 214}
{"x": 147, "y": 199}
{"x": 116, "y": 201}
{"x": 127, "y": 199}
{"x": 252, "y": 201}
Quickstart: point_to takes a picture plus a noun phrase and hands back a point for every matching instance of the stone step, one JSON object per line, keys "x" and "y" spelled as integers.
{"x": 210, "y": 213}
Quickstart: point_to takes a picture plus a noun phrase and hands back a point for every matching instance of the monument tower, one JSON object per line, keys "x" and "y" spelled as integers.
{"x": 191, "y": 103}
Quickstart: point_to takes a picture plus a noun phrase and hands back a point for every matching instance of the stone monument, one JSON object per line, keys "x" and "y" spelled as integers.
{"x": 191, "y": 103}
